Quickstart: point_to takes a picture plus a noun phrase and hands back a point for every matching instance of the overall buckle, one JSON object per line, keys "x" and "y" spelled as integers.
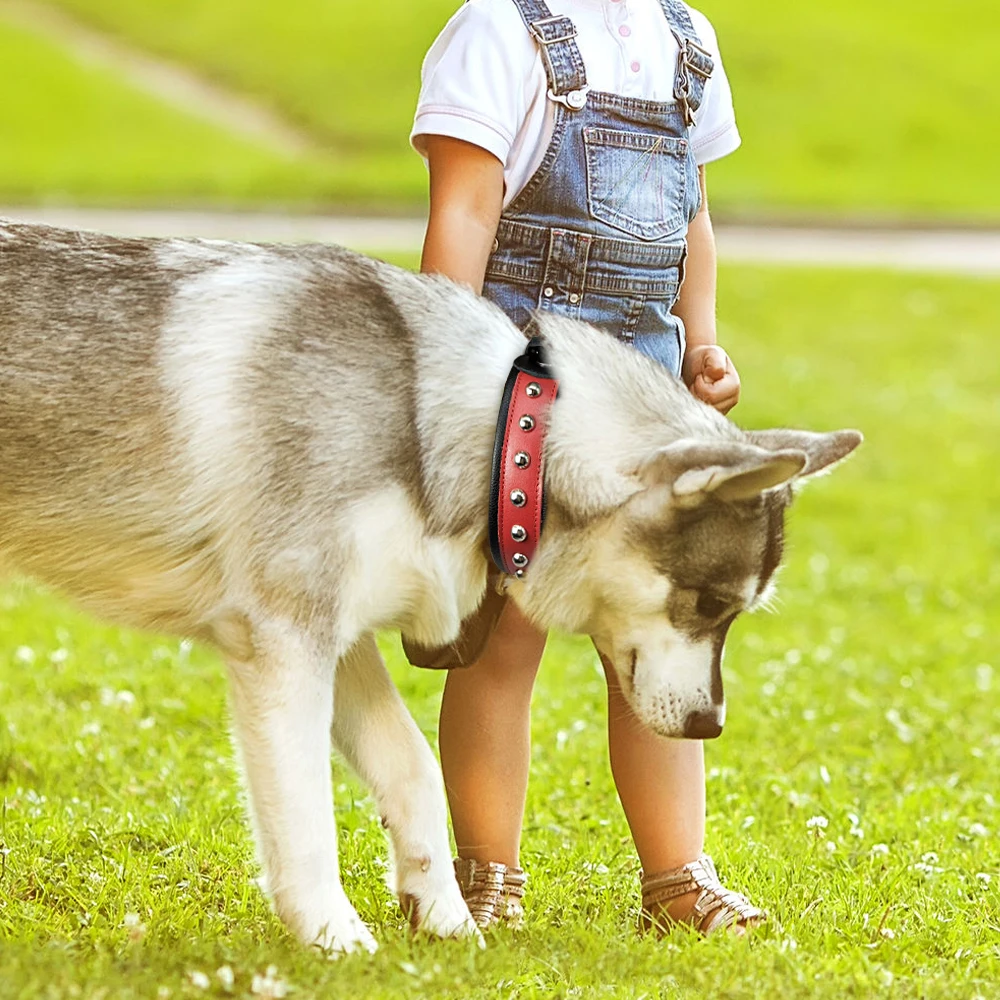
{"x": 692, "y": 46}
{"x": 574, "y": 100}
{"x": 685, "y": 67}
{"x": 537, "y": 29}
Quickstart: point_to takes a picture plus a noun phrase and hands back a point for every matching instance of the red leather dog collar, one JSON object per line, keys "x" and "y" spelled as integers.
{"x": 517, "y": 500}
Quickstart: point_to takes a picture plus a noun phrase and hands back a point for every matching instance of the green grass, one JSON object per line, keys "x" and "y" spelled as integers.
{"x": 873, "y": 111}
{"x": 72, "y": 132}
{"x": 869, "y": 699}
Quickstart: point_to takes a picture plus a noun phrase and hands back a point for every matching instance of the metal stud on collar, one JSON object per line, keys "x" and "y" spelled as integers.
{"x": 518, "y": 533}
{"x": 518, "y": 498}
{"x": 520, "y": 560}
{"x": 522, "y": 460}
{"x": 527, "y": 422}
{"x": 533, "y": 389}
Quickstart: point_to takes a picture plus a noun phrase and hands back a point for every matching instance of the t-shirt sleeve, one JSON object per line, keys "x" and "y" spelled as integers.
{"x": 715, "y": 134}
{"x": 473, "y": 79}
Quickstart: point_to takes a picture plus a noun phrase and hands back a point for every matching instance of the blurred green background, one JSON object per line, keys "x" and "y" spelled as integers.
{"x": 870, "y": 112}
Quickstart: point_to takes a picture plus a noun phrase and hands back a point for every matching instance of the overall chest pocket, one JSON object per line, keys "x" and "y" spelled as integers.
{"x": 636, "y": 181}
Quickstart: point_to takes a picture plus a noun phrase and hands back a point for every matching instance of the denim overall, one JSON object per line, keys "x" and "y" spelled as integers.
{"x": 599, "y": 231}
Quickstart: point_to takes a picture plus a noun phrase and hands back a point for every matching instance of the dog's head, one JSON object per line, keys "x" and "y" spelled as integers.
{"x": 665, "y": 523}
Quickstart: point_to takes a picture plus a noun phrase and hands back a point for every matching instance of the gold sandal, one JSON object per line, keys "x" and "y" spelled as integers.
{"x": 715, "y": 908}
{"x": 492, "y": 891}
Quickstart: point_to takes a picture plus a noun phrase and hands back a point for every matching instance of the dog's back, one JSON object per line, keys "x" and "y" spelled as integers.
{"x": 155, "y": 395}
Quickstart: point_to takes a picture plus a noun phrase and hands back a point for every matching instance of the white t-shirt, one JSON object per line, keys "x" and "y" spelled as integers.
{"x": 483, "y": 79}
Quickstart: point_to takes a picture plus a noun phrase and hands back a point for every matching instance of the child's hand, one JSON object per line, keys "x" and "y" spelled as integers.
{"x": 710, "y": 375}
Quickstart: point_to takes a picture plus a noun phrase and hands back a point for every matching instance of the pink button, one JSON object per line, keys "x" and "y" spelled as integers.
{"x": 635, "y": 67}
{"x": 624, "y": 30}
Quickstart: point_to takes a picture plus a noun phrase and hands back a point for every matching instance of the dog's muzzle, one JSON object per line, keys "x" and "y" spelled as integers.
{"x": 704, "y": 725}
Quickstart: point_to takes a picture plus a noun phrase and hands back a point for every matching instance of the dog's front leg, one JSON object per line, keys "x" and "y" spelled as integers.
{"x": 374, "y": 730}
{"x": 282, "y": 708}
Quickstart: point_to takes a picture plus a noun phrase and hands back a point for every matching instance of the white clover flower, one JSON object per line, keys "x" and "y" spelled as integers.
{"x": 984, "y": 677}
{"x": 132, "y": 922}
{"x": 817, "y": 823}
{"x": 226, "y": 976}
{"x": 819, "y": 563}
{"x": 903, "y": 731}
{"x": 879, "y": 850}
{"x": 831, "y": 847}
{"x": 978, "y": 830}
{"x": 24, "y": 655}
{"x": 199, "y": 980}
{"x": 269, "y": 985}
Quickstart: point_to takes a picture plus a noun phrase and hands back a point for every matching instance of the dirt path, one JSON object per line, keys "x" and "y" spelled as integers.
{"x": 173, "y": 83}
{"x": 974, "y": 252}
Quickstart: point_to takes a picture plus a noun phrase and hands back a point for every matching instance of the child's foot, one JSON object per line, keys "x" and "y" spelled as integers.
{"x": 693, "y": 895}
{"x": 492, "y": 891}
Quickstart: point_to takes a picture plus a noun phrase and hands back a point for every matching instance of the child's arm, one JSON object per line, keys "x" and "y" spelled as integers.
{"x": 466, "y": 198}
{"x": 707, "y": 370}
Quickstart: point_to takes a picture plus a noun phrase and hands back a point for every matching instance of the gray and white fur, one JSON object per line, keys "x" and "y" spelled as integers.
{"x": 281, "y": 449}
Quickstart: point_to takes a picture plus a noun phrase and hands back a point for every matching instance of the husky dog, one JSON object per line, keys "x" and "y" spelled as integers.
{"x": 279, "y": 450}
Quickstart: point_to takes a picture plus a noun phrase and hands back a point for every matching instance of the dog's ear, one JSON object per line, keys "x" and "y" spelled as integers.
{"x": 730, "y": 470}
{"x": 822, "y": 451}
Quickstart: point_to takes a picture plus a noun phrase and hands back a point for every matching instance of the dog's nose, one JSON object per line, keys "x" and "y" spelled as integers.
{"x": 703, "y": 725}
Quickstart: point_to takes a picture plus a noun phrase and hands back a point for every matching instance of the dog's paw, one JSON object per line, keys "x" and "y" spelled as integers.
{"x": 334, "y": 929}
{"x": 443, "y": 914}
{"x": 344, "y": 935}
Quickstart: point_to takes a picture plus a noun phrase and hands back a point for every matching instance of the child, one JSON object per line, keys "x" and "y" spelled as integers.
{"x": 566, "y": 144}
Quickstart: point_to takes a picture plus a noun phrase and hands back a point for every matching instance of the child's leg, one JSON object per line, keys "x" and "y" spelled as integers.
{"x": 485, "y": 740}
{"x": 661, "y": 784}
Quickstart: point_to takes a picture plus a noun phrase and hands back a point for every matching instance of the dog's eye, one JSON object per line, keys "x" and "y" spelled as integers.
{"x": 710, "y": 606}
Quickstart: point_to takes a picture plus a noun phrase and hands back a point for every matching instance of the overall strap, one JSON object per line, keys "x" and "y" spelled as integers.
{"x": 556, "y": 38}
{"x": 694, "y": 64}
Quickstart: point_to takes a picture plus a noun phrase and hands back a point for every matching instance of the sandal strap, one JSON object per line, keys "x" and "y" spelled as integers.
{"x": 715, "y": 907}
{"x": 492, "y": 891}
